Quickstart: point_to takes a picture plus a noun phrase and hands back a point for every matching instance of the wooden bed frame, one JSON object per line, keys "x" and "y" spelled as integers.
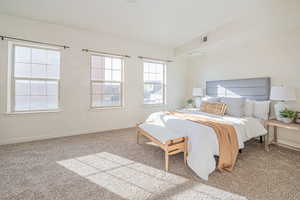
{"x": 171, "y": 147}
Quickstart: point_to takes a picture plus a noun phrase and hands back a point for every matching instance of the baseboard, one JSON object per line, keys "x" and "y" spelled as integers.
{"x": 283, "y": 143}
{"x": 52, "y": 136}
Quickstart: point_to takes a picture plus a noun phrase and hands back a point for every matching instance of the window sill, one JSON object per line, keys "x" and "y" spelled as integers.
{"x": 34, "y": 112}
{"x": 154, "y": 105}
{"x": 106, "y": 108}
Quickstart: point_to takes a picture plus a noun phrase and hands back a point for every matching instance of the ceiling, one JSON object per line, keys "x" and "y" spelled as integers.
{"x": 163, "y": 22}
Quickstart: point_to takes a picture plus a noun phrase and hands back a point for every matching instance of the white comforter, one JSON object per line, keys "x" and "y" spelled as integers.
{"x": 203, "y": 143}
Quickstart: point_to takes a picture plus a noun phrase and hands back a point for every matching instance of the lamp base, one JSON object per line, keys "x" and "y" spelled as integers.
{"x": 197, "y": 101}
{"x": 279, "y": 107}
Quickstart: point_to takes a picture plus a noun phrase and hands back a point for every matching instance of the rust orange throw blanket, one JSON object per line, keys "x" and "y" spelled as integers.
{"x": 228, "y": 142}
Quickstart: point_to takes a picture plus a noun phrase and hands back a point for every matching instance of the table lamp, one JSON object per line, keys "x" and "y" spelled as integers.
{"x": 197, "y": 92}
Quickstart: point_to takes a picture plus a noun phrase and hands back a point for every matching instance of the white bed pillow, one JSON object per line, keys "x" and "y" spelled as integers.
{"x": 261, "y": 109}
{"x": 235, "y": 106}
{"x": 198, "y": 101}
{"x": 249, "y": 108}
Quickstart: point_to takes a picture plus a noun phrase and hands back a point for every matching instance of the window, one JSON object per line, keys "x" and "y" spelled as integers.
{"x": 106, "y": 81}
{"x": 154, "y": 82}
{"x": 35, "y": 79}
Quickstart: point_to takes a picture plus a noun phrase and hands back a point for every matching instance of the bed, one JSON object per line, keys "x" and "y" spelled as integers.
{"x": 175, "y": 135}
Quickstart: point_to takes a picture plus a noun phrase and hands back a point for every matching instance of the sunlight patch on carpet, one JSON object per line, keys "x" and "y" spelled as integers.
{"x": 132, "y": 180}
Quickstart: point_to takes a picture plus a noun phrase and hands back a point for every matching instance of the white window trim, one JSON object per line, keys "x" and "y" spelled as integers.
{"x": 164, "y": 84}
{"x": 91, "y": 107}
{"x": 11, "y": 79}
{"x": 34, "y": 112}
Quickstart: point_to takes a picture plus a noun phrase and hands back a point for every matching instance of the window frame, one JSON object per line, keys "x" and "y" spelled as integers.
{"x": 122, "y": 103}
{"x": 164, "y": 82}
{"x": 12, "y": 79}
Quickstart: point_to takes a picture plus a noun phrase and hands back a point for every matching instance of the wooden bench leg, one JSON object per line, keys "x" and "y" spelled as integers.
{"x": 137, "y": 137}
{"x": 137, "y": 133}
{"x": 167, "y": 161}
{"x": 185, "y": 153}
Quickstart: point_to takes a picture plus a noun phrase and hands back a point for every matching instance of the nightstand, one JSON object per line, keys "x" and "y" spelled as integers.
{"x": 277, "y": 124}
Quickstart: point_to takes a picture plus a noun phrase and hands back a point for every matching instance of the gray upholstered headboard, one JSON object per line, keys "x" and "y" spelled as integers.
{"x": 252, "y": 88}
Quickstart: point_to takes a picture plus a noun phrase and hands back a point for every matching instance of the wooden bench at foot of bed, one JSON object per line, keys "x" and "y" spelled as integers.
{"x": 171, "y": 147}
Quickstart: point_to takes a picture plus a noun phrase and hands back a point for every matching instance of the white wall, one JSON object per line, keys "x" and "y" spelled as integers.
{"x": 75, "y": 117}
{"x": 266, "y": 44}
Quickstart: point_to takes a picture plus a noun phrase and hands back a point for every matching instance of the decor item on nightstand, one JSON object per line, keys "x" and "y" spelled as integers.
{"x": 190, "y": 103}
{"x": 282, "y": 94}
{"x": 288, "y": 116}
{"x": 197, "y": 94}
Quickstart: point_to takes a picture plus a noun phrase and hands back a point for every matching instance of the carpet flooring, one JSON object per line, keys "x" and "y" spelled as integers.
{"x": 64, "y": 168}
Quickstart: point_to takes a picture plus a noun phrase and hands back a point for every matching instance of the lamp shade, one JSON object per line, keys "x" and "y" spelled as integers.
{"x": 283, "y": 94}
{"x": 197, "y": 92}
